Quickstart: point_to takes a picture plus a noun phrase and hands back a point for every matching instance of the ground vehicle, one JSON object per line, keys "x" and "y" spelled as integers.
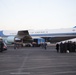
{"x": 38, "y": 41}
{"x": 28, "y": 45}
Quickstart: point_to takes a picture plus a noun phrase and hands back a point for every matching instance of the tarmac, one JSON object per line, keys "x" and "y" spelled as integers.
{"x": 37, "y": 61}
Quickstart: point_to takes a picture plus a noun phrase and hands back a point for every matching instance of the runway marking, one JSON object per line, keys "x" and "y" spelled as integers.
{"x": 20, "y": 73}
{"x": 49, "y": 66}
{"x": 38, "y": 67}
{"x": 23, "y": 63}
{"x": 23, "y": 73}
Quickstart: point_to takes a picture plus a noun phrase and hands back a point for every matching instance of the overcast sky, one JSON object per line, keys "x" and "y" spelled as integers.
{"x": 37, "y": 14}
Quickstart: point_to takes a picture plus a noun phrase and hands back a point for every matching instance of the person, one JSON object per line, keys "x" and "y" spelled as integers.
{"x": 15, "y": 45}
{"x": 42, "y": 45}
{"x": 45, "y": 45}
{"x": 1, "y": 45}
{"x": 61, "y": 47}
{"x": 57, "y": 47}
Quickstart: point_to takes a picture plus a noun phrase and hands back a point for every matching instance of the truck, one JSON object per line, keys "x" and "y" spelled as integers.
{"x": 37, "y": 42}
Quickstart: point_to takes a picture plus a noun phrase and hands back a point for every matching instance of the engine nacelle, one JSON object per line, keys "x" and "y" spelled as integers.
{"x": 10, "y": 39}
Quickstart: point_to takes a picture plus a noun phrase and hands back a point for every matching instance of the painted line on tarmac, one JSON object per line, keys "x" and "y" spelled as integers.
{"x": 39, "y": 67}
{"x": 50, "y": 66}
{"x": 9, "y": 70}
{"x": 20, "y": 73}
{"x": 27, "y": 73}
{"x": 23, "y": 63}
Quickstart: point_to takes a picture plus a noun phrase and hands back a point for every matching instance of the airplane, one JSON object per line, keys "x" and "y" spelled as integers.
{"x": 50, "y": 35}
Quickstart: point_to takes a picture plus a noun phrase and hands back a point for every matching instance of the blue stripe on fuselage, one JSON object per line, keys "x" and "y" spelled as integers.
{"x": 54, "y": 34}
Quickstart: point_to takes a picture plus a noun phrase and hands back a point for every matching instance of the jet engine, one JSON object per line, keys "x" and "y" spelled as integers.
{"x": 10, "y": 39}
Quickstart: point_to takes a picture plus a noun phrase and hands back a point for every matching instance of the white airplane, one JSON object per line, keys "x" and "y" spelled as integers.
{"x": 52, "y": 35}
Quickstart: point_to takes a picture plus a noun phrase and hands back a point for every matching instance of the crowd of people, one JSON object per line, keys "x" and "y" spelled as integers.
{"x": 66, "y": 47}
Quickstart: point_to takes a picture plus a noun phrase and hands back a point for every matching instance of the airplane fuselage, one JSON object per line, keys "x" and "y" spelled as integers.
{"x": 51, "y": 34}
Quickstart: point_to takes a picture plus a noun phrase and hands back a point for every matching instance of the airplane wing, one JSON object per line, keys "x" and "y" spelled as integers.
{"x": 58, "y": 39}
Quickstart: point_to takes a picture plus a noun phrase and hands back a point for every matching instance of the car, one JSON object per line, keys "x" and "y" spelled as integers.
{"x": 4, "y": 46}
